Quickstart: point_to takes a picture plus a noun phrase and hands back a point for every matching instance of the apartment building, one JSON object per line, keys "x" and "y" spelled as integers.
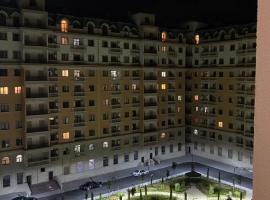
{"x": 81, "y": 97}
{"x": 220, "y": 94}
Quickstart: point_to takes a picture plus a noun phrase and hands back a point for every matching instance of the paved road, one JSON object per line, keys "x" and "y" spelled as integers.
{"x": 157, "y": 174}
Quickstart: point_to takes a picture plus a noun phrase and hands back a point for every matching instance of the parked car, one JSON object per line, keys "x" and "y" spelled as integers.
{"x": 140, "y": 172}
{"x": 24, "y": 198}
{"x": 90, "y": 185}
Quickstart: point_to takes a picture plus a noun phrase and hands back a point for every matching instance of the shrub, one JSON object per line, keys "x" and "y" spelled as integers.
{"x": 177, "y": 187}
{"x": 211, "y": 190}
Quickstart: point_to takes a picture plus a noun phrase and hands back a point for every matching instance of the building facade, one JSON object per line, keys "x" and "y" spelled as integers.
{"x": 82, "y": 97}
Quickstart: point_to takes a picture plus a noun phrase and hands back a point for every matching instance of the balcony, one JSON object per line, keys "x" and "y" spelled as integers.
{"x": 116, "y": 120}
{"x": 79, "y": 124}
{"x": 38, "y": 162}
{"x": 116, "y": 105}
{"x": 150, "y": 129}
{"x": 38, "y": 146}
{"x": 37, "y": 129}
{"x": 150, "y": 117}
{"x": 116, "y": 50}
{"x": 149, "y": 91}
{"x": 36, "y": 95}
{"x": 36, "y": 78}
{"x": 150, "y": 78}
{"x": 150, "y": 104}
{"x": 77, "y": 47}
{"x": 36, "y": 60}
{"x": 209, "y": 54}
{"x": 79, "y": 93}
{"x": 36, "y": 112}
{"x": 53, "y": 45}
{"x": 37, "y": 43}
{"x": 135, "y": 117}
{"x": 79, "y": 109}
{"x": 150, "y": 51}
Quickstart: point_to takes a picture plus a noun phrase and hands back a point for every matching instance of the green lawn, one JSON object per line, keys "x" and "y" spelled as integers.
{"x": 153, "y": 197}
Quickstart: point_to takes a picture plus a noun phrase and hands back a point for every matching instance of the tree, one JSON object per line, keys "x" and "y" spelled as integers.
{"x": 241, "y": 195}
{"x": 171, "y": 190}
{"x": 218, "y": 194}
{"x": 207, "y": 174}
{"x": 219, "y": 177}
{"x": 167, "y": 173}
{"x": 128, "y": 194}
{"x": 141, "y": 194}
{"x": 100, "y": 196}
{"x": 86, "y": 195}
{"x": 133, "y": 191}
{"x": 92, "y": 196}
{"x": 145, "y": 190}
{"x": 185, "y": 195}
{"x": 211, "y": 189}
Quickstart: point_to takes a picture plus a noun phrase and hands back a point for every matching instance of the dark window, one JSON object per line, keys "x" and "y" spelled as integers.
{"x": 65, "y": 104}
{"x": 3, "y": 19}
{"x": 16, "y": 37}
{"x": 3, "y": 72}
{"x": 33, "y": 3}
{"x": 91, "y": 43}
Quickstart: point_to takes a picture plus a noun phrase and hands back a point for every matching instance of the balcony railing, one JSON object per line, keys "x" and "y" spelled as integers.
{"x": 36, "y": 78}
{"x": 36, "y": 112}
{"x": 37, "y": 129}
{"x": 37, "y": 95}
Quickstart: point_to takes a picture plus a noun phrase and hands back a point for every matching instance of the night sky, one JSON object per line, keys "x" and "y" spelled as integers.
{"x": 169, "y": 12}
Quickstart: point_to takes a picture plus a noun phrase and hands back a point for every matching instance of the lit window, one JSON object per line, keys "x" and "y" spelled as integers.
{"x": 18, "y": 90}
{"x": 114, "y": 74}
{"x": 196, "y": 97}
{"x": 64, "y": 40}
{"x": 179, "y": 109}
{"x": 134, "y": 87}
{"x": 196, "y": 132}
{"x": 162, "y": 135}
{"x": 106, "y": 102}
{"x": 76, "y": 42}
{"x": 76, "y": 73}
{"x": 105, "y": 145}
{"x": 77, "y": 148}
{"x": 3, "y": 90}
{"x": 163, "y": 86}
{"x": 19, "y": 158}
{"x": 220, "y": 124}
{"x": 163, "y": 74}
{"x": 91, "y": 147}
{"x": 64, "y": 26}
{"x": 179, "y": 98}
{"x": 163, "y": 48}
{"x": 91, "y": 164}
{"x": 197, "y": 39}
{"x": 5, "y": 161}
{"x": 66, "y": 136}
{"x": 196, "y": 108}
{"x": 206, "y": 109}
{"x": 163, "y": 36}
{"x": 65, "y": 73}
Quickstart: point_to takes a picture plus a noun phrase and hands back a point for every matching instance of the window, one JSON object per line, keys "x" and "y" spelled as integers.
{"x": 91, "y": 164}
{"x": 163, "y": 86}
{"x": 16, "y": 37}
{"x": 91, "y": 147}
{"x": 66, "y": 136}
{"x": 4, "y": 90}
{"x": 64, "y": 40}
{"x": 171, "y": 148}
{"x": 162, "y": 135}
{"x": 105, "y": 145}
{"x": 220, "y": 124}
{"x": 3, "y": 72}
{"x": 76, "y": 74}
{"x": 240, "y": 156}
{"x": 65, "y": 73}
{"x": 77, "y": 148}
{"x": 3, "y": 54}
{"x": 91, "y": 43}
{"x": 164, "y": 36}
{"x": 5, "y": 161}
{"x": 179, "y": 98}
{"x": 197, "y": 39}
{"x": 212, "y": 149}
{"x": 19, "y": 178}
{"x": 19, "y": 158}
{"x": 230, "y": 153}
{"x": 64, "y": 26}
{"x": 18, "y": 90}
{"x": 17, "y": 72}
{"x": 134, "y": 87}
{"x": 6, "y": 181}
{"x": 179, "y": 146}
{"x": 3, "y": 36}
{"x": 163, "y": 149}
{"x": 17, "y": 55}
{"x": 76, "y": 42}
{"x": 136, "y": 155}
{"x": 18, "y": 107}
{"x": 126, "y": 158}
{"x": 163, "y": 74}
{"x": 196, "y": 97}
{"x": 219, "y": 151}
{"x": 105, "y": 161}
{"x": 3, "y": 19}
{"x": 115, "y": 159}
{"x": 4, "y": 108}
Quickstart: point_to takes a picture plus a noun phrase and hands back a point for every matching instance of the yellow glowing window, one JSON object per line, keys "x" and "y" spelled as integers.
{"x": 18, "y": 90}
{"x": 163, "y": 36}
{"x": 196, "y": 97}
{"x": 179, "y": 98}
{"x": 197, "y": 109}
{"x": 65, "y": 73}
{"x": 66, "y": 136}
{"x": 64, "y": 26}
{"x": 163, "y": 86}
{"x": 106, "y": 102}
{"x": 163, "y": 74}
{"x": 162, "y": 135}
{"x": 105, "y": 145}
{"x": 220, "y": 124}
{"x": 197, "y": 39}
{"x": 4, "y": 90}
{"x": 5, "y": 161}
{"x": 64, "y": 40}
{"x": 179, "y": 109}
{"x": 163, "y": 49}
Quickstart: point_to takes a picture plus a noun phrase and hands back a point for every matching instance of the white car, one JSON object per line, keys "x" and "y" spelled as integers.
{"x": 140, "y": 172}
